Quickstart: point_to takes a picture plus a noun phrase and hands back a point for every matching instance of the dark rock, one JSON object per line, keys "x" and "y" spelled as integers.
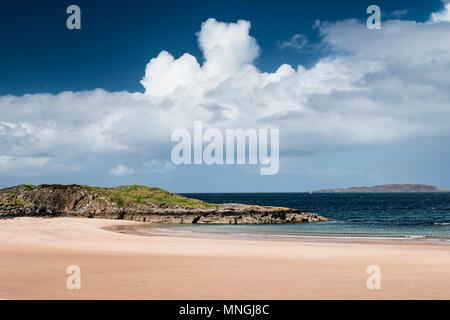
{"x": 77, "y": 201}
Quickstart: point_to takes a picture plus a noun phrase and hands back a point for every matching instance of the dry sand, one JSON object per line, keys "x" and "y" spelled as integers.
{"x": 34, "y": 255}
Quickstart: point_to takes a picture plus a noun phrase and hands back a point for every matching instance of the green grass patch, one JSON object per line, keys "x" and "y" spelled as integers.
{"x": 135, "y": 194}
{"x": 29, "y": 186}
{"x": 13, "y": 201}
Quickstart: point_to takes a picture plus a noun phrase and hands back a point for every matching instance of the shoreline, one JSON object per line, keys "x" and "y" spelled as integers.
{"x": 150, "y": 230}
{"x": 36, "y": 252}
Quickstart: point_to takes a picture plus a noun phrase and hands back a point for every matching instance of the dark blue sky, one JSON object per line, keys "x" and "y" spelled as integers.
{"x": 39, "y": 54}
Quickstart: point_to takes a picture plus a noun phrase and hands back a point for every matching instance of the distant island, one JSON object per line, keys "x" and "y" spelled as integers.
{"x": 139, "y": 203}
{"x": 387, "y": 188}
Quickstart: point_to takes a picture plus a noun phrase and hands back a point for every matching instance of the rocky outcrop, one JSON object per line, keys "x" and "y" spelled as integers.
{"x": 147, "y": 206}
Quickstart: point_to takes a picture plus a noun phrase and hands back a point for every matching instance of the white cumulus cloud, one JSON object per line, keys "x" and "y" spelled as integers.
{"x": 441, "y": 16}
{"x": 376, "y": 87}
{"x": 121, "y": 170}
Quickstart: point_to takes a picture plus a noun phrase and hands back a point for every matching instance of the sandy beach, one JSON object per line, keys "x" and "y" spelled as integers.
{"x": 35, "y": 254}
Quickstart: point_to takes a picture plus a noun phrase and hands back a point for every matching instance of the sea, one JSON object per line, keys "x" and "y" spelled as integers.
{"x": 371, "y": 215}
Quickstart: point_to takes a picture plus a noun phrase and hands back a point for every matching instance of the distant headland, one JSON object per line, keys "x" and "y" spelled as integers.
{"x": 387, "y": 188}
{"x": 139, "y": 203}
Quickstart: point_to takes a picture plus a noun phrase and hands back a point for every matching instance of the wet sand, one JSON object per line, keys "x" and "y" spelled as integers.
{"x": 35, "y": 253}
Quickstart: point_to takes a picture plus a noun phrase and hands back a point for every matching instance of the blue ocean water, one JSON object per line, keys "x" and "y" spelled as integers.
{"x": 352, "y": 214}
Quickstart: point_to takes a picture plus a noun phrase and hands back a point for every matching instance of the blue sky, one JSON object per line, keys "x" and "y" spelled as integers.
{"x": 119, "y": 37}
{"x": 366, "y": 106}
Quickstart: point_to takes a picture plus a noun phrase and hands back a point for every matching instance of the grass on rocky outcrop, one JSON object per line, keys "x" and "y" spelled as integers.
{"x": 13, "y": 201}
{"x": 136, "y": 194}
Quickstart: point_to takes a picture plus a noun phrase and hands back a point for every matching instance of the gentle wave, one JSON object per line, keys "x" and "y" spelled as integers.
{"x": 176, "y": 229}
{"x": 391, "y": 215}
